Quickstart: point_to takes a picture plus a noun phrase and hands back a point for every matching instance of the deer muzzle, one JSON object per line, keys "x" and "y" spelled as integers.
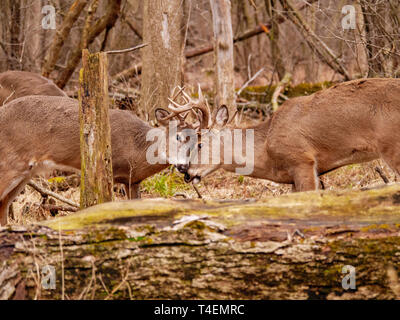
{"x": 188, "y": 178}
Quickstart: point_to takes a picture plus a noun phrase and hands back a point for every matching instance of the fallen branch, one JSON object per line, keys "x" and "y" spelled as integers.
{"x": 288, "y": 247}
{"x": 46, "y": 192}
{"x": 249, "y": 81}
{"x": 382, "y": 175}
{"x": 58, "y": 208}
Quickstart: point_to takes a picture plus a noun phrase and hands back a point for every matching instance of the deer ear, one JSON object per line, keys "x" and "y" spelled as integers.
{"x": 222, "y": 115}
{"x": 160, "y": 115}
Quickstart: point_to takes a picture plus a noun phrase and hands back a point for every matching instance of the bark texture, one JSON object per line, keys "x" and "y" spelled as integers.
{"x": 289, "y": 247}
{"x": 96, "y": 163}
{"x": 164, "y": 31}
{"x": 223, "y": 54}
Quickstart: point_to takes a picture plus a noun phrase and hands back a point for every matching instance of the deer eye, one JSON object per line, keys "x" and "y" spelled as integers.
{"x": 178, "y": 137}
{"x": 200, "y": 145}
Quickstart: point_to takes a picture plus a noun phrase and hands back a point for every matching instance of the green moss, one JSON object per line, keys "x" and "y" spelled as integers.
{"x": 165, "y": 184}
{"x": 137, "y": 239}
{"x": 375, "y": 227}
{"x": 263, "y": 94}
{"x": 56, "y": 180}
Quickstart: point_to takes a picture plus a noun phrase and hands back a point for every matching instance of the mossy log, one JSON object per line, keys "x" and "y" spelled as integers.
{"x": 288, "y": 247}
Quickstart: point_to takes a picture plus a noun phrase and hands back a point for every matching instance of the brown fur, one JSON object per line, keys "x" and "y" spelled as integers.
{"x": 37, "y": 129}
{"x": 352, "y": 122}
{"x": 17, "y": 84}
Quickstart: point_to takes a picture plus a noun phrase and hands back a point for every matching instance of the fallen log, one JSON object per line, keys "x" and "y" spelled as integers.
{"x": 289, "y": 247}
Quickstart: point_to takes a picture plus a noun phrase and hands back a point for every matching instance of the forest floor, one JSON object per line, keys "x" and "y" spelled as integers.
{"x": 169, "y": 183}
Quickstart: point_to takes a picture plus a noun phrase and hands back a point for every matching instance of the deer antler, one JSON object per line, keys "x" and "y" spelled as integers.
{"x": 190, "y": 105}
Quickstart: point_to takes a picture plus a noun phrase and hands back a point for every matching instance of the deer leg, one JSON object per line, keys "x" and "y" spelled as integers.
{"x": 391, "y": 157}
{"x": 8, "y": 198}
{"x": 305, "y": 177}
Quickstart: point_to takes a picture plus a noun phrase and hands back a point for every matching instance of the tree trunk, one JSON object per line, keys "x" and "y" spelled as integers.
{"x": 162, "y": 59}
{"x": 15, "y": 33}
{"x": 223, "y": 54}
{"x": 273, "y": 34}
{"x": 96, "y": 161}
{"x": 289, "y": 247}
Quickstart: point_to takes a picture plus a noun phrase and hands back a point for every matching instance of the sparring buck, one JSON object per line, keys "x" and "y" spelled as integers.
{"x": 41, "y": 133}
{"x": 17, "y": 84}
{"x": 351, "y": 122}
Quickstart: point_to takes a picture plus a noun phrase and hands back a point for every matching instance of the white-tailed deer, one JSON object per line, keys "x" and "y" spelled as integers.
{"x": 17, "y": 84}
{"x": 40, "y": 133}
{"x": 351, "y": 122}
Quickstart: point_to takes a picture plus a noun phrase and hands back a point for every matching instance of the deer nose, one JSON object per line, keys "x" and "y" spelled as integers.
{"x": 182, "y": 168}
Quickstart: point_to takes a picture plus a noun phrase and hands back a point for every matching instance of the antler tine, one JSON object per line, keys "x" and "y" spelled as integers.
{"x": 188, "y": 98}
{"x": 204, "y": 108}
{"x": 201, "y": 97}
{"x": 200, "y": 104}
{"x": 178, "y": 93}
{"x": 179, "y": 108}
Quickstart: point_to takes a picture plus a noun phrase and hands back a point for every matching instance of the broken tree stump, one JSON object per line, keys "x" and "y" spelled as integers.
{"x": 96, "y": 161}
{"x": 290, "y": 247}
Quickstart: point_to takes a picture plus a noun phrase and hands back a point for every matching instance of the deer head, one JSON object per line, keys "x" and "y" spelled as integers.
{"x": 203, "y": 153}
{"x": 181, "y": 136}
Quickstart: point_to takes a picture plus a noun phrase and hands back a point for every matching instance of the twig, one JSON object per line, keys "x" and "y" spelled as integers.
{"x": 253, "y": 4}
{"x": 120, "y": 284}
{"x": 128, "y": 49}
{"x": 279, "y": 88}
{"x": 197, "y": 191}
{"x": 249, "y": 81}
{"x": 62, "y": 265}
{"x": 44, "y": 191}
{"x": 383, "y": 176}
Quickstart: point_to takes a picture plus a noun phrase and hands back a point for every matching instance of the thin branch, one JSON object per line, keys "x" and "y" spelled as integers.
{"x": 249, "y": 81}
{"x": 197, "y": 191}
{"x": 46, "y": 192}
{"x": 140, "y": 46}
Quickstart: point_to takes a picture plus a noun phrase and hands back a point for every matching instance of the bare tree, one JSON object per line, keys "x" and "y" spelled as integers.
{"x": 164, "y": 30}
{"x": 59, "y": 38}
{"x": 273, "y": 34}
{"x": 381, "y": 24}
{"x": 106, "y": 21}
{"x": 223, "y": 54}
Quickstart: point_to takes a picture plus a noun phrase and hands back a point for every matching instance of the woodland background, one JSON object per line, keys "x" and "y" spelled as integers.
{"x": 371, "y": 49}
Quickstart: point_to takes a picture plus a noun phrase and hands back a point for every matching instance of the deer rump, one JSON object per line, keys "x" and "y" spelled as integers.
{"x": 38, "y": 133}
{"x": 353, "y": 122}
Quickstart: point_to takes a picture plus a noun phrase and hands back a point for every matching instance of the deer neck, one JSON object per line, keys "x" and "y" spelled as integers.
{"x": 253, "y": 149}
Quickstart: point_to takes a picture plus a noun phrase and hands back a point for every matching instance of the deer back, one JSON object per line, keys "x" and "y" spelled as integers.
{"x": 48, "y": 133}
{"x": 17, "y": 84}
